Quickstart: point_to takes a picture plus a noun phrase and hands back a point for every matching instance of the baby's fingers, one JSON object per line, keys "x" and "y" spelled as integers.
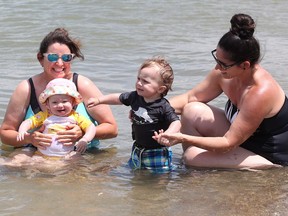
{"x": 21, "y": 136}
{"x": 92, "y": 102}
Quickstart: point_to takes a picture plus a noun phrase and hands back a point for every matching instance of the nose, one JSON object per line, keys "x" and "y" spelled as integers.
{"x": 59, "y": 61}
{"x": 138, "y": 83}
{"x": 60, "y": 105}
{"x": 218, "y": 67}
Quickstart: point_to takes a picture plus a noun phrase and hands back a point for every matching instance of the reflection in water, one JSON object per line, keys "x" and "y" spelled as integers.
{"x": 102, "y": 183}
{"x": 26, "y": 162}
{"x": 206, "y": 192}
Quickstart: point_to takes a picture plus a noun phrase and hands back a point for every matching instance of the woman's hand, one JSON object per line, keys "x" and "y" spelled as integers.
{"x": 168, "y": 139}
{"x": 70, "y": 136}
{"x": 40, "y": 140}
{"x": 159, "y": 138}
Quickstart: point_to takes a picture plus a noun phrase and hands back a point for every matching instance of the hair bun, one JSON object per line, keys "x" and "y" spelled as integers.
{"x": 243, "y": 26}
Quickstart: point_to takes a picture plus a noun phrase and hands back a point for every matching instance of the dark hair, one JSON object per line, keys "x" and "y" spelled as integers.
{"x": 165, "y": 71}
{"x": 239, "y": 43}
{"x": 61, "y": 35}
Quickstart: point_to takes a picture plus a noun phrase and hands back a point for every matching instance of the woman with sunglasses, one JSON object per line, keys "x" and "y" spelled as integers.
{"x": 252, "y": 131}
{"x": 56, "y": 52}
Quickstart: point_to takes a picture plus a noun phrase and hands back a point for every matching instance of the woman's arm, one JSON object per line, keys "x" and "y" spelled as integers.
{"x": 256, "y": 104}
{"x": 205, "y": 91}
{"x": 173, "y": 128}
{"x": 14, "y": 115}
{"x": 240, "y": 130}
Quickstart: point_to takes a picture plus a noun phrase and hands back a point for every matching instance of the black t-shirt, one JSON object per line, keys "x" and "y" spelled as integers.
{"x": 147, "y": 118}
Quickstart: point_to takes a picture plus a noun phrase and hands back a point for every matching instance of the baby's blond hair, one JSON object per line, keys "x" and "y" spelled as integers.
{"x": 166, "y": 71}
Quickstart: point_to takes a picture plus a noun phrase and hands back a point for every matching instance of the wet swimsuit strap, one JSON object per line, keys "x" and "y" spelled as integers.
{"x": 33, "y": 99}
{"x": 75, "y": 80}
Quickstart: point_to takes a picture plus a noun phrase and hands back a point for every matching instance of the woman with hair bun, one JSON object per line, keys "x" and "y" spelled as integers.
{"x": 252, "y": 131}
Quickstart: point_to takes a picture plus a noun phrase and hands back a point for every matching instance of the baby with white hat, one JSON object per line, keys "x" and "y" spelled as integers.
{"x": 59, "y": 97}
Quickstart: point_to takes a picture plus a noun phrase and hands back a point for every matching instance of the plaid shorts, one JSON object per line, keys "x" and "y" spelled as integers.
{"x": 158, "y": 160}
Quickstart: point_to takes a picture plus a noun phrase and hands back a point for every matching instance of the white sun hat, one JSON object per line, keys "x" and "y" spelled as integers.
{"x": 60, "y": 86}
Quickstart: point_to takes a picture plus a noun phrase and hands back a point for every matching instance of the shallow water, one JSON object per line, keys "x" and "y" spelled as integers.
{"x": 117, "y": 36}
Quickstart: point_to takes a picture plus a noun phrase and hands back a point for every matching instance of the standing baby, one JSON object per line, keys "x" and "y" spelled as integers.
{"x": 151, "y": 113}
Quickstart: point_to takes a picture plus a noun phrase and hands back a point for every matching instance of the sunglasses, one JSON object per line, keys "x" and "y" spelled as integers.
{"x": 222, "y": 64}
{"x": 52, "y": 57}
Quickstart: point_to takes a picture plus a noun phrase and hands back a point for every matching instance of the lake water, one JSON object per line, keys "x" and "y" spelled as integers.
{"x": 117, "y": 36}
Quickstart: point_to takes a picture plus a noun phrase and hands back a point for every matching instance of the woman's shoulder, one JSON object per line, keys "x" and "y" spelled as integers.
{"x": 23, "y": 87}
{"x": 85, "y": 84}
{"x": 215, "y": 76}
{"x": 265, "y": 83}
{"x": 265, "y": 94}
{"x": 83, "y": 80}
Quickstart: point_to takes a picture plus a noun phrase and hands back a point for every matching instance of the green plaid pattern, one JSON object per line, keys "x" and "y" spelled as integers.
{"x": 157, "y": 160}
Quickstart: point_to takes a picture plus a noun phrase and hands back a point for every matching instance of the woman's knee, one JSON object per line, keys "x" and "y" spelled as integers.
{"x": 195, "y": 117}
{"x": 191, "y": 114}
{"x": 201, "y": 119}
{"x": 193, "y": 109}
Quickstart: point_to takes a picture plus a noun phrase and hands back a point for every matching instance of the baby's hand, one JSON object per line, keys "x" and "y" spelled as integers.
{"x": 157, "y": 135}
{"x": 93, "y": 102}
{"x": 81, "y": 146}
{"x": 159, "y": 138}
{"x": 21, "y": 136}
{"x": 168, "y": 139}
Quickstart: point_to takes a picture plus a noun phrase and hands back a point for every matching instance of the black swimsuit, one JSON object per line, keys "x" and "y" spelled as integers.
{"x": 270, "y": 140}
